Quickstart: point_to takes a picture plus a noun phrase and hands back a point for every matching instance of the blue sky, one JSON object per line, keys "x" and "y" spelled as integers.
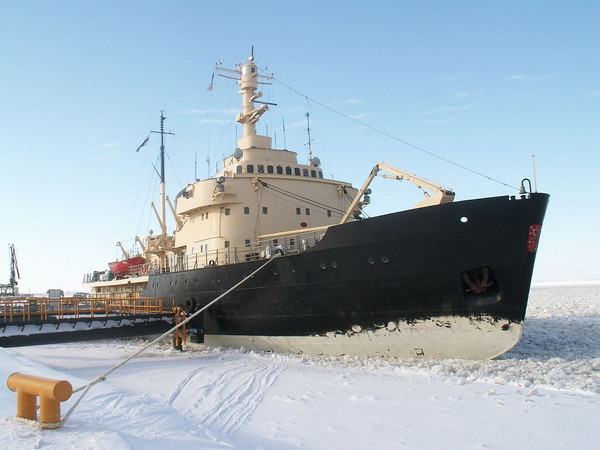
{"x": 483, "y": 84}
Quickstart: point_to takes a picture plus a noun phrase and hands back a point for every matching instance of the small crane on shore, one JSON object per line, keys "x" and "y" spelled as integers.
{"x": 11, "y": 289}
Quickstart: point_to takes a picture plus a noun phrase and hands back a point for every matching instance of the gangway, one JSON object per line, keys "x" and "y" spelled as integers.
{"x": 40, "y": 320}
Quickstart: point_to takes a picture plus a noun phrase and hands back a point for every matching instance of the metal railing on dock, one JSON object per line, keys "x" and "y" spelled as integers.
{"x": 38, "y": 309}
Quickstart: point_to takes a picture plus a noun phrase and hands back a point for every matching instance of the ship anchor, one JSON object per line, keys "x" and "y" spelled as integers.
{"x": 479, "y": 286}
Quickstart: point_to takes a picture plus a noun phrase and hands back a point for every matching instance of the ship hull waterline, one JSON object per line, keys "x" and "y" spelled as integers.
{"x": 450, "y": 281}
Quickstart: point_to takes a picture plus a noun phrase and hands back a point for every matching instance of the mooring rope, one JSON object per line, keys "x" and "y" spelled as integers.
{"x": 99, "y": 378}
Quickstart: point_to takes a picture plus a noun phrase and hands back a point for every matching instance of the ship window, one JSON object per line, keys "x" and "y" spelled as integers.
{"x": 313, "y": 173}
{"x": 246, "y": 210}
{"x": 297, "y": 171}
{"x": 226, "y": 244}
{"x": 260, "y": 168}
{"x": 308, "y": 211}
{"x": 247, "y": 242}
{"x": 279, "y": 170}
{"x": 269, "y": 169}
{"x": 250, "y": 168}
{"x": 328, "y": 213}
{"x": 298, "y": 211}
{"x": 320, "y": 174}
{"x": 227, "y": 211}
{"x": 288, "y": 170}
{"x": 305, "y": 172}
{"x": 238, "y": 169}
{"x": 264, "y": 210}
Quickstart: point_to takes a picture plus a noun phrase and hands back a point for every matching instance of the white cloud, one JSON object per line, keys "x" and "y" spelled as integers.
{"x": 466, "y": 94}
{"x": 208, "y": 111}
{"x": 203, "y": 121}
{"x": 522, "y": 77}
{"x": 436, "y": 122}
{"x": 359, "y": 116}
{"x": 452, "y": 108}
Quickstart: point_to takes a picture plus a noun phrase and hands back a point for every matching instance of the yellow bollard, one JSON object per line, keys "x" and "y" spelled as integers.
{"x": 51, "y": 393}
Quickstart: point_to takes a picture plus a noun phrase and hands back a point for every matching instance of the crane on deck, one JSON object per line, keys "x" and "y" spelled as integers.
{"x": 11, "y": 289}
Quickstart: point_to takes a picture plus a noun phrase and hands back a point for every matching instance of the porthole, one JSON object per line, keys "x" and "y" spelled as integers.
{"x": 371, "y": 260}
{"x": 293, "y": 269}
{"x": 323, "y": 265}
{"x": 464, "y": 219}
{"x": 274, "y": 271}
{"x": 333, "y": 264}
{"x": 385, "y": 259}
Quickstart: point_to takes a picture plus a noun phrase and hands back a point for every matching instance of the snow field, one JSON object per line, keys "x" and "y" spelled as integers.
{"x": 542, "y": 394}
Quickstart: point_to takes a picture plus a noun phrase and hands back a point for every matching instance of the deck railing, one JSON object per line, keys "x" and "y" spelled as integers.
{"x": 284, "y": 243}
{"x": 19, "y": 309}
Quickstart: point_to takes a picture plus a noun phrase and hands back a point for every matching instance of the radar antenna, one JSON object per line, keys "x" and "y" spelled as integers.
{"x": 309, "y": 144}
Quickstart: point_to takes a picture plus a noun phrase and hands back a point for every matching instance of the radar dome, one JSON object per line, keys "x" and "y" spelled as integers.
{"x": 316, "y": 162}
{"x": 238, "y": 153}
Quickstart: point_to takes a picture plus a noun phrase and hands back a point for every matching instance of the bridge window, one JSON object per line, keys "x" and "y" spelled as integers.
{"x": 279, "y": 170}
{"x": 320, "y": 174}
{"x": 305, "y": 172}
{"x": 297, "y": 171}
{"x": 261, "y": 168}
{"x": 269, "y": 169}
{"x": 288, "y": 170}
{"x": 250, "y": 168}
{"x": 313, "y": 173}
{"x": 238, "y": 169}
{"x": 308, "y": 211}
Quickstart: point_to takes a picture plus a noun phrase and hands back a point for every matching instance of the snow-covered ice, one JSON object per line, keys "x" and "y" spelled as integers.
{"x": 542, "y": 394}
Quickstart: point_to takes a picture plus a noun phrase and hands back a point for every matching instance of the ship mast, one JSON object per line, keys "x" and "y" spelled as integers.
{"x": 247, "y": 77}
{"x": 163, "y": 196}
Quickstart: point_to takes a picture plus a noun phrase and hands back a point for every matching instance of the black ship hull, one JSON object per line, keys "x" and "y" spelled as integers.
{"x": 446, "y": 281}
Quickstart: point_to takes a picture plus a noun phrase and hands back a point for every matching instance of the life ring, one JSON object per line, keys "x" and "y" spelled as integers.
{"x": 211, "y": 262}
{"x": 279, "y": 250}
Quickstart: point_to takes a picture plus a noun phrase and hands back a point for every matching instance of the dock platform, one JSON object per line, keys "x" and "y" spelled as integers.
{"x": 38, "y": 321}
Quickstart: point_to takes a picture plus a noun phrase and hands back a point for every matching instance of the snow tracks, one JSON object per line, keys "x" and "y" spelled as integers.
{"x": 224, "y": 392}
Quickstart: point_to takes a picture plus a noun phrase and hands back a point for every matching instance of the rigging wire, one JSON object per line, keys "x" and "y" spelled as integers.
{"x": 297, "y": 202}
{"x": 301, "y": 198}
{"x": 391, "y": 136}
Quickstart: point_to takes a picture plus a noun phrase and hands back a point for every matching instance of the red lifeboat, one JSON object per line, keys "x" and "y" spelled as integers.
{"x": 128, "y": 267}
